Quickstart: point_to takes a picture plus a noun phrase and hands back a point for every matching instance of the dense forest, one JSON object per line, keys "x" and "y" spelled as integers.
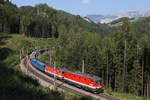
{"x": 120, "y": 55}
{"x": 41, "y": 21}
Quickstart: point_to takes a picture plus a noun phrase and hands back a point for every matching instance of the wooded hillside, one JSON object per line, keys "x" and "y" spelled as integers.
{"x": 120, "y": 55}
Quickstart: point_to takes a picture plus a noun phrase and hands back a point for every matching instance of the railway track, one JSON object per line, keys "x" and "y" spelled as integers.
{"x": 60, "y": 85}
{"x": 109, "y": 97}
{"x": 49, "y": 79}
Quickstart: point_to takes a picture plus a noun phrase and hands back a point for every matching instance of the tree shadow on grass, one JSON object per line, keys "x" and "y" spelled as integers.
{"x": 4, "y": 38}
{"x": 4, "y": 53}
{"x": 14, "y": 85}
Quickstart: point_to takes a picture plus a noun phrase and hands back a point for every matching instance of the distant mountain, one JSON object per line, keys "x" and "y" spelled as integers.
{"x": 87, "y": 19}
{"x": 113, "y": 17}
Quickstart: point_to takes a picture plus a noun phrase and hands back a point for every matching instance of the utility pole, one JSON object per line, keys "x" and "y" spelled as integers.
{"x": 38, "y": 50}
{"x": 20, "y": 55}
{"x": 54, "y": 76}
{"x": 27, "y": 61}
{"x": 82, "y": 66}
{"x": 50, "y": 59}
{"x": 23, "y": 51}
{"x": 28, "y": 57}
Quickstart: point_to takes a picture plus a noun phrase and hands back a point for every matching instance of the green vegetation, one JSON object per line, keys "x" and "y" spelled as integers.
{"x": 14, "y": 84}
{"x": 120, "y": 55}
{"x": 119, "y": 21}
{"x": 118, "y": 59}
{"x": 124, "y": 96}
{"x": 42, "y": 21}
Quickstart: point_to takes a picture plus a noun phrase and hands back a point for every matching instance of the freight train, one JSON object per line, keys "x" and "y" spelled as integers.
{"x": 84, "y": 81}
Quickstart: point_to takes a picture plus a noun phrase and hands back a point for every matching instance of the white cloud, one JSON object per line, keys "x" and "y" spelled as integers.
{"x": 85, "y": 1}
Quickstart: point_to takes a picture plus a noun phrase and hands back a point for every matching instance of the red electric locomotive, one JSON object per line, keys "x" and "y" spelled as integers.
{"x": 85, "y": 81}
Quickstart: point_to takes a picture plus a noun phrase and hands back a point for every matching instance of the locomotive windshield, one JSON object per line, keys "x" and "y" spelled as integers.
{"x": 97, "y": 81}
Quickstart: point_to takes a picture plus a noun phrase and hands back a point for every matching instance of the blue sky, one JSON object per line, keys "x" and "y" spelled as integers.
{"x": 91, "y": 6}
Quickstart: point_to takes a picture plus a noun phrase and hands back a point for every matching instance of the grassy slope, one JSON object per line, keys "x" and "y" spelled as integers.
{"x": 15, "y": 85}
{"x": 124, "y": 96}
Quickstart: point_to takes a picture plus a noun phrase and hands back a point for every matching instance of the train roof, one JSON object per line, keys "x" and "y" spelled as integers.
{"x": 39, "y": 62}
{"x": 83, "y": 74}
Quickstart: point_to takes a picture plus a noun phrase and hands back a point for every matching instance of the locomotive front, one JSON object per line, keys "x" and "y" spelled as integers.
{"x": 97, "y": 86}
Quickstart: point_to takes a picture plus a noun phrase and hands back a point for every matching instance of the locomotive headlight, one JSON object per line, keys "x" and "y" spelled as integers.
{"x": 99, "y": 87}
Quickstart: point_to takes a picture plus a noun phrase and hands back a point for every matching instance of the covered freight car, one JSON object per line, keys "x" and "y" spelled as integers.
{"x": 39, "y": 65}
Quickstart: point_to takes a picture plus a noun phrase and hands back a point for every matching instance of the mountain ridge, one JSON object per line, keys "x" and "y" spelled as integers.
{"x": 112, "y": 17}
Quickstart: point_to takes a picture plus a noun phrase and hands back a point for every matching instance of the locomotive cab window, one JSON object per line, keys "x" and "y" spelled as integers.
{"x": 96, "y": 81}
